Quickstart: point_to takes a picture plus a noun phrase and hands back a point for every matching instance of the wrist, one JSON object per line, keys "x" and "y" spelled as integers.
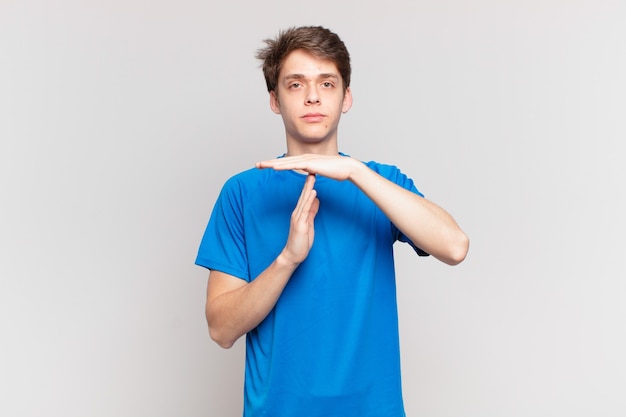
{"x": 357, "y": 170}
{"x": 284, "y": 260}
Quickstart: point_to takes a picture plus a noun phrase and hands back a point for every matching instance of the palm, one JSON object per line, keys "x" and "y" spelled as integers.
{"x": 332, "y": 166}
{"x": 302, "y": 227}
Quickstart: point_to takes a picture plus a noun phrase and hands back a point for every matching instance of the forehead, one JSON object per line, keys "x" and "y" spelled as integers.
{"x": 302, "y": 63}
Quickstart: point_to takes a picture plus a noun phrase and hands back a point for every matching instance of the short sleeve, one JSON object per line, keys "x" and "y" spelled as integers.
{"x": 223, "y": 245}
{"x": 394, "y": 174}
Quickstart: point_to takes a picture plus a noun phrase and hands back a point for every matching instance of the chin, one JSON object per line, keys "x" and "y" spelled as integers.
{"x": 313, "y": 137}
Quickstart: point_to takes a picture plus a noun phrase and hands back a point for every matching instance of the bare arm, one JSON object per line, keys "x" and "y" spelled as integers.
{"x": 428, "y": 226}
{"x": 234, "y": 306}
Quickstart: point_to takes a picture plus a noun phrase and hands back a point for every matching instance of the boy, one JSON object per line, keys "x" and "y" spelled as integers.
{"x": 300, "y": 254}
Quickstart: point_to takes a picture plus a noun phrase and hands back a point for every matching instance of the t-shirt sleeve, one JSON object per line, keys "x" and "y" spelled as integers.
{"x": 394, "y": 174}
{"x": 223, "y": 245}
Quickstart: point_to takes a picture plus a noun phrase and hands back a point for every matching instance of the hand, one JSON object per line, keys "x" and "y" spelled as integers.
{"x": 301, "y": 228}
{"x": 332, "y": 166}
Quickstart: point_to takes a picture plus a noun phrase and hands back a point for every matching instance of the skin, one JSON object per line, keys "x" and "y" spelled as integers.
{"x": 310, "y": 98}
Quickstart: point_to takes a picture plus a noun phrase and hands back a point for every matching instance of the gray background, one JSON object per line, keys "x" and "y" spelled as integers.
{"x": 120, "y": 121}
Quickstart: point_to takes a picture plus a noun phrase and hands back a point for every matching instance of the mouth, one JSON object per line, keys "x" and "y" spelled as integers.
{"x": 313, "y": 117}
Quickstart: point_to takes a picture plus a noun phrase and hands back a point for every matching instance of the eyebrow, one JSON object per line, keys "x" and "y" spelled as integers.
{"x": 322, "y": 76}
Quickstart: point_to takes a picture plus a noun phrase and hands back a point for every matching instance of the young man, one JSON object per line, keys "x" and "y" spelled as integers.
{"x": 300, "y": 254}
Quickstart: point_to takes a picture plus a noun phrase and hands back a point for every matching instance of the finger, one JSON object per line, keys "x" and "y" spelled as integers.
{"x": 270, "y": 163}
{"x": 304, "y": 201}
{"x": 309, "y": 201}
{"x": 265, "y": 164}
{"x": 309, "y": 211}
{"x": 287, "y": 162}
{"x": 308, "y": 192}
{"x": 277, "y": 165}
{"x": 315, "y": 205}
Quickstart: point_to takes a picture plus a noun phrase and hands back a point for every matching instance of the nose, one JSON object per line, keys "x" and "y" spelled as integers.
{"x": 312, "y": 96}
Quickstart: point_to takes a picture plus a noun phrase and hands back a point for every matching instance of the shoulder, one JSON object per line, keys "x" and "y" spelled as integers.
{"x": 245, "y": 181}
{"x": 254, "y": 185}
{"x": 386, "y": 170}
{"x": 378, "y": 167}
{"x": 393, "y": 174}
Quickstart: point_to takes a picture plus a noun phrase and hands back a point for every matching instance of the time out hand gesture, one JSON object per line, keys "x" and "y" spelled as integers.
{"x": 301, "y": 229}
{"x": 332, "y": 166}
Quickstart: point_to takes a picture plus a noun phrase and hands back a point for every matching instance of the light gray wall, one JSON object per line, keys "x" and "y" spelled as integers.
{"x": 120, "y": 121}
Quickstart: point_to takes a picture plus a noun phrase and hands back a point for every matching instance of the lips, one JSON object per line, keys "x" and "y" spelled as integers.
{"x": 313, "y": 117}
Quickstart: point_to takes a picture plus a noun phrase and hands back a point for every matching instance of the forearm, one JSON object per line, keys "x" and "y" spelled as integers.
{"x": 428, "y": 226}
{"x": 235, "y": 307}
{"x": 231, "y": 314}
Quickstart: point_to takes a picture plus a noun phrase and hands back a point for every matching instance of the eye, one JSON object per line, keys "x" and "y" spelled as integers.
{"x": 328, "y": 84}
{"x": 295, "y": 85}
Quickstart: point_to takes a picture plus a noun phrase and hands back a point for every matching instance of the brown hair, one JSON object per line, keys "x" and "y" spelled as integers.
{"x": 315, "y": 40}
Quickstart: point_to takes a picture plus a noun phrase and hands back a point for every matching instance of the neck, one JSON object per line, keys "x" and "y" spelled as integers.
{"x": 321, "y": 148}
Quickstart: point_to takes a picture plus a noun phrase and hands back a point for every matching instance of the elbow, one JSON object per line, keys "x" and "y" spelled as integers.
{"x": 216, "y": 332}
{"x": 224, "y": 344}
{"x": 461, "y": 249}
{"x": 221, "y": 339}
{"x": 219, "y": 330}
{"x": 458, "y": 251}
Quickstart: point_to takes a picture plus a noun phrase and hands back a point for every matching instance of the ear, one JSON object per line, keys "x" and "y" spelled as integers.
{"x": 347, "y": 101}
{"x": 274, "y": 103}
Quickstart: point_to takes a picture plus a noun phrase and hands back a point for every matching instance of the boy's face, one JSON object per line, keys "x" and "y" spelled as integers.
{"x": 310, "y": 98}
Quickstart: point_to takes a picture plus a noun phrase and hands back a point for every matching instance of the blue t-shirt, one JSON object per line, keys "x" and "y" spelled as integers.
{"x": 330, "y": 346}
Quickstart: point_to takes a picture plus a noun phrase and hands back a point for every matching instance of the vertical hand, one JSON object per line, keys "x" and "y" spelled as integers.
{"x": 301, "y": 229}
